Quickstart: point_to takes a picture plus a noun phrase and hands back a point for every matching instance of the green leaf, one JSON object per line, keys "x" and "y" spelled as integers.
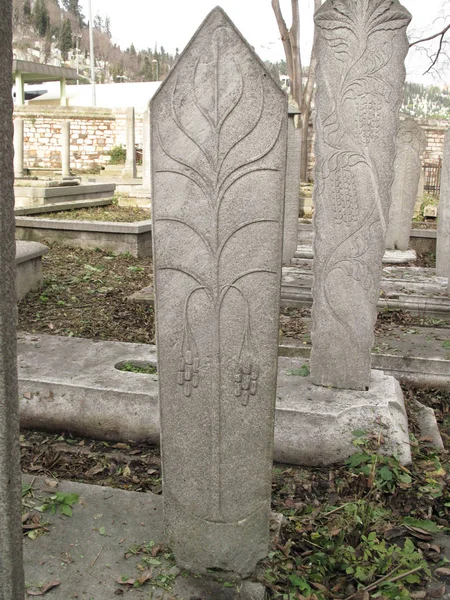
{"x": 102, "y": 531}
{"x": 359, "y": 433}
{"x": 385, "y": 473}
{"x": 66, "y": 510}
{"x": 153, "y": 561}
{"x": 421, "y": 524}
{"x": 302, "y": 372}
{"x": 299, "y": 582}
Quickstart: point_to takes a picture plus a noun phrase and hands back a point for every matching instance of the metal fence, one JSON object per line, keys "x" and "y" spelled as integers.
{"x": 432, "y": 173}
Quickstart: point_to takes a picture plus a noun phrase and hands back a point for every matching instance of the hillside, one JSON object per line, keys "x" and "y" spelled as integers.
{"x": 56, "y": 32}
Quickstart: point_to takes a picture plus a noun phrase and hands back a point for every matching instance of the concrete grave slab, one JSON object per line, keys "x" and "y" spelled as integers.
{"x": 86, "y": 553}
{"x": 29, "y": 267}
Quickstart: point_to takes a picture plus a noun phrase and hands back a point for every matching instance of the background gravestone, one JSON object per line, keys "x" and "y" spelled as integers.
{"x": 11, "y": 566}
{"x": 361, "y": 47}
{"x": 218, "y": 126}
{"x": 443, "y": 231}
{"x": 411, "y": 144}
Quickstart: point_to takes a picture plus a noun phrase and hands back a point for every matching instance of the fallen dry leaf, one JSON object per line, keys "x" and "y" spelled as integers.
{"x": 437, "y": 592}
{"x": 44, "y": 589}
{"x": 442, "y": 572}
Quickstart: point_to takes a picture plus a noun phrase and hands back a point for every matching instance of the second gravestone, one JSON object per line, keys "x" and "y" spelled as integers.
{"x": 218, "y": 126}
{"x": 361, "y": 48}
{"x": 411, "y": 144}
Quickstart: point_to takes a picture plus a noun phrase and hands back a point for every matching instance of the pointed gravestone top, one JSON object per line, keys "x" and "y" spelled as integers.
{"x": 218, "y": 165}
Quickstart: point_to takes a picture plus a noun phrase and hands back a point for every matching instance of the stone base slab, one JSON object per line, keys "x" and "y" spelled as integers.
{"x": 71, "y": 384}
{"x": 29, "y": 267}
{"x": 314, "y": 425}
{"x": 90, "y": 564}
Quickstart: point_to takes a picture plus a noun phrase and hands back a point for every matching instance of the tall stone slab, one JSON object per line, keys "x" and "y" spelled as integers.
{"x": 11, "y": 567}
{"x": 130, "y": 170}
{"x": 65, "y": 148}
{"x": 443, "y": 232}
{"x": 411, "y": 144}
{"x": 218, "y": 126}
{"x": 146, "y": 161}
{"x": 292, "y": 192}
{"x": 18, "y": 147}
{"x": 361, "y": 47}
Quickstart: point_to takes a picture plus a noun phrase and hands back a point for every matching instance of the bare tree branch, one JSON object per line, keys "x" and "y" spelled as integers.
{"x": 432, "y": 37}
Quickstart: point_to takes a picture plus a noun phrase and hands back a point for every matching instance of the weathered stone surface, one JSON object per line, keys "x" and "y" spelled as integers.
{"x": 18, "y": 147}
{"x": 146, "y": 158}
{"x": 11, "y": 567}
{"x": 361, "y": 47}
{"x": 292, "y": 192}
{"x": 130, "y": 164}
{"x": 65, "y": 148}
{"x": 443, "y": 232}
{"x": 411, "y": 144}
{"x": 218, "y": 128}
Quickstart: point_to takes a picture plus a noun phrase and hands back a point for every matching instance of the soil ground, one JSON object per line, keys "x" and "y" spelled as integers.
{"x": 112, "y": 212}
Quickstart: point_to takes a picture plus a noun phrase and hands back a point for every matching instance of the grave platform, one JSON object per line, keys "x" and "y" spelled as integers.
{"x": 29, "y": 267}
{"x": 414, "y": 289}
{"x": 39, "y": 193}
{"x": 86, "y": 553}
{"x": 72, "y": 384}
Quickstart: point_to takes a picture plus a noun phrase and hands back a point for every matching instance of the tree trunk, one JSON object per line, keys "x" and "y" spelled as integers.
{"x": 303, "y": 97}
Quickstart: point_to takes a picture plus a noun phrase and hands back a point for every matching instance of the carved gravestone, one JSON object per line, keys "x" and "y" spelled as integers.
{"x": 443, "y": 232}
{"x": 361, "y": 47}
{"x": 218, "y": 127}
{"x": 411, "y": 144}
{"x": 11, "y": 568}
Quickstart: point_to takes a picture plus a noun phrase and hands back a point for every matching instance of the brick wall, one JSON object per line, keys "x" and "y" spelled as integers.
{"x": 93, "y": 133}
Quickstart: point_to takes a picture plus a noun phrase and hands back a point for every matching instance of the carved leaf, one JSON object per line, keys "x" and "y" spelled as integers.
{"x": 362, "y": 17}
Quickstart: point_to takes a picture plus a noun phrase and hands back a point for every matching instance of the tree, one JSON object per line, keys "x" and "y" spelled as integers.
{"x": 41, "y": 19}
{"x": 65, "y": 38}
{"x": 301, "y": 94}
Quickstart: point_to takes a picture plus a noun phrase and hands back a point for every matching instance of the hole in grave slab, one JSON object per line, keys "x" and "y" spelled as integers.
{"x": 137, "y": 366}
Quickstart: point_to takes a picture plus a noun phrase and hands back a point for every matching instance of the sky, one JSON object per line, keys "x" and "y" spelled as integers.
{"x": 171, "y": 23}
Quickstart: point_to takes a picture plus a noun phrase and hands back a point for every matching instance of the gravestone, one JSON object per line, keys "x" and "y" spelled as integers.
{"x": 130, "y": 162}
{"x": 411, "y": 144}
{"x": 292, "y": 192}
{"x": 361, "y": 47}
{"x": 11, "y": 567}
{"x": 146, "y": 158}
{"x": 18, "y": 147}
{"x": 443, "y": 231}
{"x": 218, "y": 126}
{"x": 65, "y": 148}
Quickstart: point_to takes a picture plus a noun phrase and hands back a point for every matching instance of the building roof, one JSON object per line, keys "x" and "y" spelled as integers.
{"x": 109, "y": 95}
{"x": 32, "y": 71}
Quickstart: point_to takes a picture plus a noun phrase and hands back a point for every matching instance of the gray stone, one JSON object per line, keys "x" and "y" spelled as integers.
{"x": 411, "y": 144}
{"x": 18, "y": 147}
{"x": 65, "y": 148}
{"x": 38, "y": 195}
{"x": 135, "y": 238}
{"x": 89, "y": 554}
{"x": 11, "y": 567}
{"x": 218, "y": 126}
{"x": 360, "y": 74}
{"x": 70, "y": 384}
{"x": 146, "y": 158}
{"x": 292, "y": 191}
{"x": 443, "y": 232}
{"x": 130, "y": 170}
{"x": 327, "y": 418}
{"x": 28, "y": 267}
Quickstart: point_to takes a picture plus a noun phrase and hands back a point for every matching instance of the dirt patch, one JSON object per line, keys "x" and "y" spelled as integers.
{"x": 111, "y": 213}
{"x": 85, "y": 295}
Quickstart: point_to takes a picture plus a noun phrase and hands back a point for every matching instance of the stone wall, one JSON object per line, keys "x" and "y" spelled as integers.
{"x": 93, "y": 133}
{"x": 434, "y": 130}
